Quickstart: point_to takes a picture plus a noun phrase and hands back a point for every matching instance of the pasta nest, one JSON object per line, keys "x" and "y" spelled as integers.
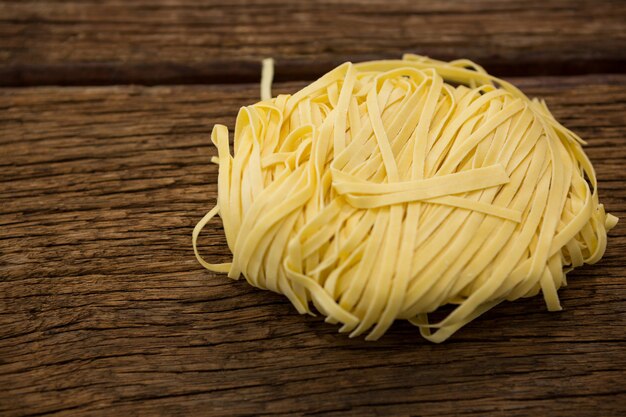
{"x": 387, "y": 189}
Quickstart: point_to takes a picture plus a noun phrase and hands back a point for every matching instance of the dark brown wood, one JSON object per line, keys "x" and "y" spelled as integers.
{"x": 105, "y": 311}
{"x": 83, "y": 42}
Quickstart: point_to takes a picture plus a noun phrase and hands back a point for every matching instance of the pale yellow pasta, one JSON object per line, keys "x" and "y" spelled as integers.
{"x": 387, "y": 189}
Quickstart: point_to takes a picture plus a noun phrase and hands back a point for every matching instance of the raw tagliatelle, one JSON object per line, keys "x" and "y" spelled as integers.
{"x": 387, "y": 189}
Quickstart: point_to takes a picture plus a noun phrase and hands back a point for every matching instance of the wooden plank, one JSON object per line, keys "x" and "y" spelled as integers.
{"x": 105, "y": 311}
{"x": 79, "y": 42}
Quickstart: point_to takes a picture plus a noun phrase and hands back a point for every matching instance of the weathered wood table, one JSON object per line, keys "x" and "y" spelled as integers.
{"x": 105, "y": 114}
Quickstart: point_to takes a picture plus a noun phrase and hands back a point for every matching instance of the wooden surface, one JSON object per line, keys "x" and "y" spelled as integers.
{"x": 187, "y": 41}
{"x": 103, "y": 308}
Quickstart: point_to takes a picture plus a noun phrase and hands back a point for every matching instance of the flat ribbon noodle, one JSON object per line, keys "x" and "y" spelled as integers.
{"x": 387, "y": 189}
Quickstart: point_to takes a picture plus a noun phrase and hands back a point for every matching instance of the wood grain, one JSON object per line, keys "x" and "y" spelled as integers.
{"x": 87, "y": 42}
{"x": 105, "y": 311}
